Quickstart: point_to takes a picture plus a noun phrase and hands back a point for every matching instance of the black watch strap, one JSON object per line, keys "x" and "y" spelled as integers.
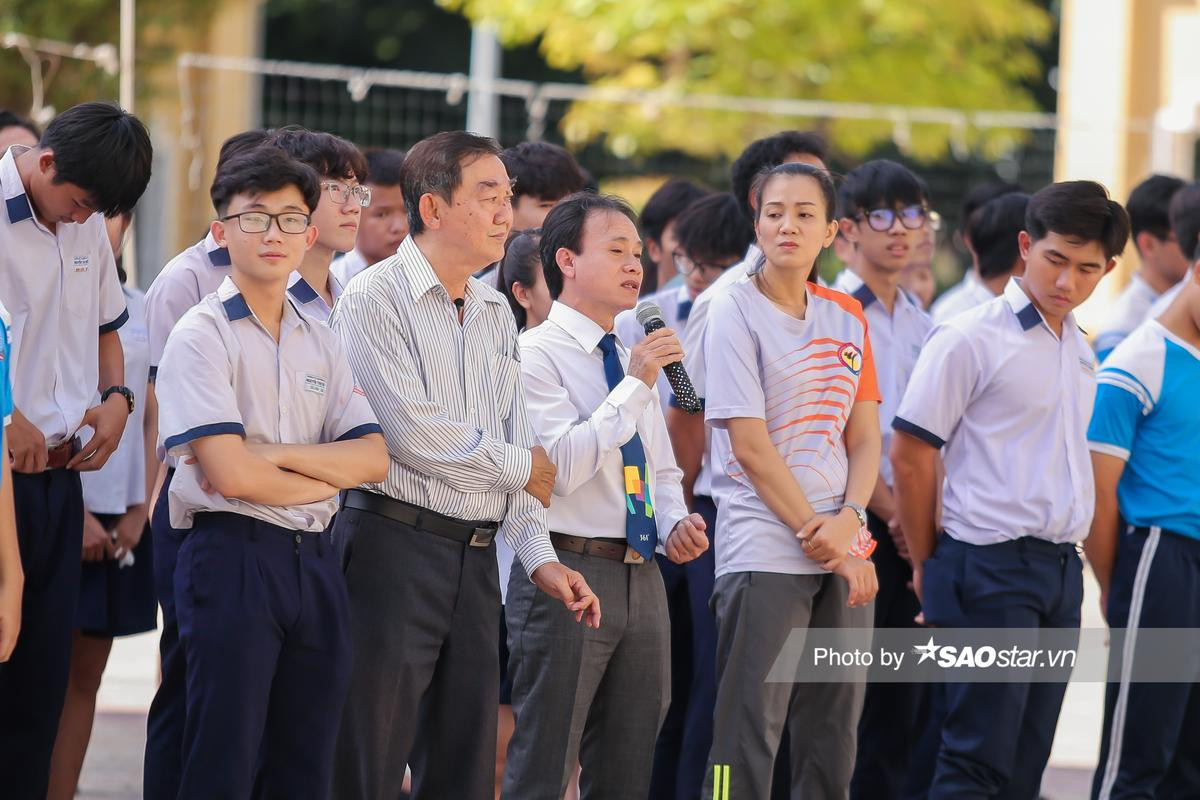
{"x": 124, "y": 391}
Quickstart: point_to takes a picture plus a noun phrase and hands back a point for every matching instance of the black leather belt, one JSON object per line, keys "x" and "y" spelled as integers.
{"x": 472, "y": 534}
{"x": 612, "y": 549}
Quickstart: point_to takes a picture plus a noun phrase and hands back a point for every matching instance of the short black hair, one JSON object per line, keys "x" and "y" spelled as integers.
{"x": 1079, "y": 209}
{"x": 1184, "y": 213}
{"x": 768, "y": 152}
{"x": 879, "y": 184}
{"x": 979, "y": 197}
{"x": 710, "y": 230}
{"x": 563, "y": 227}
{"x": 667, "y": 203}
{"x": 10, "y": 119}
{"x": 241, "y": 142}
{"x": 1149, "y": 206}
{"x": 331, "y": 156}
{"x": 103, "y": 150}
{"x": 383, "y": 166}
{"x": 434, "y": 166}
{"x": 520, "y": 264}
{"x": 797, "y": 169}
{"x": 265, "y": 168}
{"x": 995, "y": 230}
{"x": 542, "y": 170}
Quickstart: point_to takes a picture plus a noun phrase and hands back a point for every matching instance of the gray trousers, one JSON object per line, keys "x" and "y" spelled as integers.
{"x": 597, "y": 697}
{"x": 756, "y": 612}
{"x": 425, "y": 685}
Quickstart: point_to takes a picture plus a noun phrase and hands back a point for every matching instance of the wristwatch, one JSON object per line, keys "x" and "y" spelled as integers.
{"x": 121, "y": 390}
{"x": 859, "y": 512}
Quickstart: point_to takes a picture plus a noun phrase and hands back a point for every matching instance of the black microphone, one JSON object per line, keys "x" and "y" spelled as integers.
{"x": 651, "y": 318}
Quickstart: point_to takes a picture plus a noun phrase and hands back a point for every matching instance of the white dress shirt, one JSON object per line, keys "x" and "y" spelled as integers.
{"x": 582, "y": 425}
{"x": 966, "y": 294}
{"x": 62, "y": 290}
{"x": 448, "y": 396}
{"x": 1010, "y": 403}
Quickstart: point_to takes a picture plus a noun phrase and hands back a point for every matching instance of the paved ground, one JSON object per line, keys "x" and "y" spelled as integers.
{"x": 113, "y": 767}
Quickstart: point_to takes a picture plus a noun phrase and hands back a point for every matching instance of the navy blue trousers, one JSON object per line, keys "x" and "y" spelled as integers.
{"x": 1151, "y": 742}
{"x": 164, "y": 724}
{"x": 996, "y": 737}
{"x": 264, "y": 624}
{"x": 894, "y": 714}
{"x": 681, "y": 753}
{"x": 33, "y": 683}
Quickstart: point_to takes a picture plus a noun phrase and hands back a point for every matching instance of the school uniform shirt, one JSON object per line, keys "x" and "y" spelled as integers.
{"x": 964, "y": 295}
{"x": 121, "y": 482}
{"x": 223, "y": 373}
{"x": 1008, "y": 402}
{"x": 710, "y": 480}
{"x": 347, "y": 265}
{"x": 1146, "y": 416}
{"x": 1128, "y": 311}
{"x": 802, "y": 377}
{"x": 62, "y": 291}
{"x": 582, "y": 424}
{"x": 448, "y": 396}
{"x": 1165, "y": 299}
{"x": 896, "y": 341}
{"x": 676, "y": 305}
{"x": 308, "y": 300}
{"x": 193, "y": 274}
{"x": 6, "y": 405}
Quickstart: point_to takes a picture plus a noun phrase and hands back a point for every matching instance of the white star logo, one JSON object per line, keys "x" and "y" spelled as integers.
{"x": 927, "y": 651}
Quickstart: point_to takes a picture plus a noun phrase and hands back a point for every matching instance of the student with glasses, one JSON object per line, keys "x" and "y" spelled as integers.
{"x": 337, "y": 216}
{"x": 384, "y": 223}
{"x": 884, "y": 218}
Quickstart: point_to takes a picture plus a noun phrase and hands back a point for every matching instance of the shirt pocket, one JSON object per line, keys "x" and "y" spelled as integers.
{"x": 506, "y": 371}
{"x": 309, "y": 403}
{"x": 81, "y": 289}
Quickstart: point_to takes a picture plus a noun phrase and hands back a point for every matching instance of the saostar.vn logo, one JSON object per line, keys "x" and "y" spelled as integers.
{"x": 987, "y": 657}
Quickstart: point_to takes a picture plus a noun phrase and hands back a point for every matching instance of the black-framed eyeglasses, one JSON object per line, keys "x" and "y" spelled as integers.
{"x": 687, "y": 266}
{"x": 341, "y": 193}
{"x": 882, "y": 219}
{"x": 260, "y": 221}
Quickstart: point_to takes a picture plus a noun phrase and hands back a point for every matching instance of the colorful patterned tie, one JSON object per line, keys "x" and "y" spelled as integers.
{"x": 640, "y": 530}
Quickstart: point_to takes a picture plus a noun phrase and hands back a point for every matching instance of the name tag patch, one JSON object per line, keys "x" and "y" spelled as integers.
{"x": 315, "y": 384}
{"x": 81, "y": 263}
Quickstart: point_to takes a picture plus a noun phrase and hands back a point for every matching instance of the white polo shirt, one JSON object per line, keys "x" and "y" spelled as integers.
{"x": 1128, "y": 311}
{"x": 61, "y": 289}
{"x": 189, "y": 276}
{"x": 347, "y": 265}
{"x": 222, "y": 372}
{"x": 896, "y": 340}
{"x": 674, "y": 302}
{"x": 582, "y": 424}
{"x": 1009, "y": 403}
{"x": 121, "y": 482}
{"x": 309, "y": 301}
{"x": 964, "y": 295}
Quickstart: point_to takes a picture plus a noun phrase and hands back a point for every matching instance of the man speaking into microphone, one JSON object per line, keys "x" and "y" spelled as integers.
{"x": 598, "y": 697}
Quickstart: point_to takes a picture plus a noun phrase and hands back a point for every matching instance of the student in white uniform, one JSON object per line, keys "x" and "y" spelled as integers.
{"x": 596, "y": 697}
{"x": 1005, "y": 392}
{"x": 343, "y": 197}
{"x": 16, "y": 129}
{"x": 1163, "y": 263}
{"x": 657, "y": 222}
{"x": 383, "y": 224}
{"x": 1184, "y": 213}
{"x": 58, "y": 279}
{"x": 885, "y": 213}
{"x": 116, "y": 593}
{"x": 973, "y": 289}
{"x": 259, "y": 403}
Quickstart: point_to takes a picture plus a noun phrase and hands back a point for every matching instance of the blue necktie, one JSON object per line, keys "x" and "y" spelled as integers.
{"x": 683, "y": 310}
{"x": 640, "y": 530}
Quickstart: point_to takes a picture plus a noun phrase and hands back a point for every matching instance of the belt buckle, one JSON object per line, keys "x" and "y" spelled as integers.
{"x": 482, "y": 537}
{"x": 633, "y": 556}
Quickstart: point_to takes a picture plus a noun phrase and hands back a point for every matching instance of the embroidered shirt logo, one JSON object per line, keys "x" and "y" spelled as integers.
{"x": 81, "y": 263}
{"x": 315, "y": 384}
{"x": 851, "y": 357}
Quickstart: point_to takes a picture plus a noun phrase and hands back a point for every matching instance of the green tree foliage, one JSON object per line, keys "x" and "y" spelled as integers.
{"x": 938, "y": 53}
{"x": 92, "y": 22}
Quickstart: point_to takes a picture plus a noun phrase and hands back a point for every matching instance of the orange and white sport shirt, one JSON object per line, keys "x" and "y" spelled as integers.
{"x": 802, "y": 377}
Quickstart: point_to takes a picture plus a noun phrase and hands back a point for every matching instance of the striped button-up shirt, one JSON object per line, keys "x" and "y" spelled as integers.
{"x": 448, "y": 395}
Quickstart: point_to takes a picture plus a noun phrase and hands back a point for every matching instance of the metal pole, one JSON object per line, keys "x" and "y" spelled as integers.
{"x": 483, "y": 104}
{"x": 125, "y": 96}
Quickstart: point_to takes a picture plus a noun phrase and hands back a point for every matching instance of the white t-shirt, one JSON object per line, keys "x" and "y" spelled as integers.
{"x": 802, "y": 377}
